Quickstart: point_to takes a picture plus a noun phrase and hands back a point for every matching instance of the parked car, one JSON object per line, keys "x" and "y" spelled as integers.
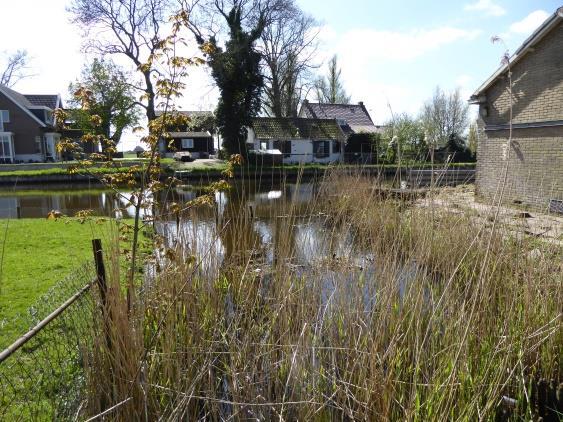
{"x": 183, "y": 156}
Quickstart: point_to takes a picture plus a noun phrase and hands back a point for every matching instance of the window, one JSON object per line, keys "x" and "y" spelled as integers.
{"x": 4, "y": 118}
{"x": 336, "y": 147}
{"x": 321, "y": 149}
{"x": 38, "y": 144}
{"x": 284, "y": 147}
{"x": 263, "y": 145}
{"x": 49, "y": 117}
{"x": 187, "y": 143}
{"x": 5, "y": 148}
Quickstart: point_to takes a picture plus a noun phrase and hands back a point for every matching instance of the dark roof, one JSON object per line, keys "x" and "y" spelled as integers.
{"x": 297, "y": 128}
{"x": 189, "y": 134}
{"x": 51, "y": 101}
{"x": 21, "y": 101}
{"x": 188, "y": 113}
{"x": 352, "y": 114}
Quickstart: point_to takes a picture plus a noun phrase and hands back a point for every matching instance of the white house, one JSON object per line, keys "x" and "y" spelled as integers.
{"x": 300, "y": 140}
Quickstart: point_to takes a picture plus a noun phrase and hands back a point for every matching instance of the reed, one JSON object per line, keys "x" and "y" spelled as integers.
{"x": 390, "y": 312}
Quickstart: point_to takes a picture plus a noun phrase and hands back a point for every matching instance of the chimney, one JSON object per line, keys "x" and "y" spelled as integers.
{"x": 361, "y": 103}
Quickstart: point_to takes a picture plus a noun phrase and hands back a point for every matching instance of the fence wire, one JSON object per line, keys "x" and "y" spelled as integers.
{"x": 44, "y": 379}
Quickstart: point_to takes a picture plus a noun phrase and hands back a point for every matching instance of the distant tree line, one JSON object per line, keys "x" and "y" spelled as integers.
{"x": 263, "y": 58}
{"x": 442, "y": 129}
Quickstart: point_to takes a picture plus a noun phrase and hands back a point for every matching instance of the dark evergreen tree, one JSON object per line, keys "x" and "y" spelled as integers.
{"x": 236, "y": 71}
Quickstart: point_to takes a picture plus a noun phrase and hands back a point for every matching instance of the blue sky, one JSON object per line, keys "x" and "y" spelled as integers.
{"x": 391, "y": 52}
{"x": 397, "y": 51}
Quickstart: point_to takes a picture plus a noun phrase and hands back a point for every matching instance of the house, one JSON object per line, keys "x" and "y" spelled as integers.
{"x": 352, "y": 118}
{"x": 27, "y": 132}
{"x": 356, "y": 123}
{"x": 535, "y": 157}
{"x": 300, "y": 140}
{"x": 197, "y": 137}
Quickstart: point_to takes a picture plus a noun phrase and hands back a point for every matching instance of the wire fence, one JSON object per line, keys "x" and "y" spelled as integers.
{"x": 42, "y": 372}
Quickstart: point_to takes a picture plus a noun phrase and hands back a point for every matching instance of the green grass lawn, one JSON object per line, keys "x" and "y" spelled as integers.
{"x": 37, "y": 253}
{"x": 169, "y": 166}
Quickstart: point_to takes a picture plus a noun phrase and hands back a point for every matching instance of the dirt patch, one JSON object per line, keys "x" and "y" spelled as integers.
{"x": 461, "y": 199}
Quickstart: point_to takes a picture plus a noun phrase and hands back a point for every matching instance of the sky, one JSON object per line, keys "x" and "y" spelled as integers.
{"x": 392, "y": 53}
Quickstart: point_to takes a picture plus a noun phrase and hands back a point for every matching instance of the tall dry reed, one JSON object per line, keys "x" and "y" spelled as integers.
{"x": 407, "y": 313}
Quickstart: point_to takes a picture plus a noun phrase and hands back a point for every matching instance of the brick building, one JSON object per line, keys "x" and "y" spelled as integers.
{"x": 27, "y": 130}
{"x": 535, "y": 159}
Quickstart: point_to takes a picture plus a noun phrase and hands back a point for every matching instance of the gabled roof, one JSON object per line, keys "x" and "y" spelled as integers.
{"x": 355, "y": 115}
{"x": 189, "y": 134}
{"x": 187, "y": 113}
{"x": 297, "y": 128}
{"x": 21, "y": 101}
{"x": 546, "y": 27}
{"x": 51, "y": 101}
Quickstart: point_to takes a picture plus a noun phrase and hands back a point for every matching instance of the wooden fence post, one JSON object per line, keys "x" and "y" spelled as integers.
{"x": 102, "y": 285}
{"x": 100, "y": 271}
{"x": 106, "y": 311}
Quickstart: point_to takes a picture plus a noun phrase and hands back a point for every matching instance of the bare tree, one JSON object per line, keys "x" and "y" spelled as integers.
{"x": 330, "y": 89}
{"x": 208, "y": 19}
{"x": 16, "y": 68}
{"x": 288, "y": 47}
{"x": 235, "y": 64}
{"x": 445, "y": 115}
{"x": 130, "y": 28}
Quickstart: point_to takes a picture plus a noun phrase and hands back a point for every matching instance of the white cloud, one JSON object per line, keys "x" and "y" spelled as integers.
{"x": 363, "y": 52}
{"x": 530, "y": 23}
{"x": 368, "y": 44}
{"x": 463, "y": 80}
{"x": 486, "y": 6}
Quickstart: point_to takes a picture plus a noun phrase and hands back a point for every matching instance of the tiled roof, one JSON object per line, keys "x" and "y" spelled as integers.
{"x": 50, "y": 101}
{"x": 297, "y": 128}
{"x": 188, "y": 113}
{"x": 16, "y": 96}
{"x": 189, "y": 134}
{"x": 368, "y": 129}
{"x": 352, "y": 114}
{"x": 21, "y": 101}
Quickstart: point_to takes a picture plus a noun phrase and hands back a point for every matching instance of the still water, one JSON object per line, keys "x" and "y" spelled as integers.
{"x": 266, "y": 224}
{"x": 260, "y": 213}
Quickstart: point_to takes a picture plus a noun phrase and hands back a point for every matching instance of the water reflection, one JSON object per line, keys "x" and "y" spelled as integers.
{"x": 264, "y": 224}
{"x": 257, "y": 221}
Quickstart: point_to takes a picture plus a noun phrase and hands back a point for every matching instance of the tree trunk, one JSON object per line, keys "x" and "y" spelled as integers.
{"x": 149, "y": 90}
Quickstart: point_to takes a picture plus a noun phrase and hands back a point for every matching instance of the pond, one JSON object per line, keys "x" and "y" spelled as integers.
{"x": 265, "y": 226}
{"x": 261, "y": 212}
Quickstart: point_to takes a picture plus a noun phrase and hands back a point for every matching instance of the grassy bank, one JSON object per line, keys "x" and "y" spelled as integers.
{"x": 409, "y": 314}
{"x": 36, "y": 254}
{"x": 169, "y": 167}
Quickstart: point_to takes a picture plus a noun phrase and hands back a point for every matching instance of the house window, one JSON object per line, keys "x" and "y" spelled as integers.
{"x": 336, "y": 147}
{"x": 38, "y": 145}
{"x": 4, "y": 118}
{"x": 263, "y": 145}
{"x": 284, "y": 147}
{"x": 49, "y": 117}
{"x": 5, "y": 148}
{"x": 321, "y": 149}
{"x": 187, "y": 143}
